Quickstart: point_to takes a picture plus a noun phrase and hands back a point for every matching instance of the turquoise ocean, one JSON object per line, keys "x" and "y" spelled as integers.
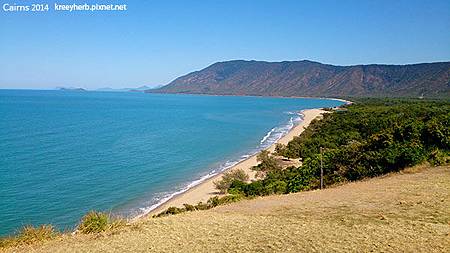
{"x": 64, "y": 153}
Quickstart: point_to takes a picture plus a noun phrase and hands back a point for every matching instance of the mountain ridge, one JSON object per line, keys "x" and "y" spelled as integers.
{"x": 310, "y": 78}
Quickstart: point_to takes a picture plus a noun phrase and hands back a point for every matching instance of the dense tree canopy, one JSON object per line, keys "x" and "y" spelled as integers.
{"x": 368, "y": 138}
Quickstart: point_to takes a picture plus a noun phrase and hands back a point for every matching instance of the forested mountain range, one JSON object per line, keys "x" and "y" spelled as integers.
{"x": 308, "y": 78}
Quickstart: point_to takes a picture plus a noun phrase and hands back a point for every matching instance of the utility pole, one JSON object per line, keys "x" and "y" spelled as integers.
{"x": 321, "y": 168}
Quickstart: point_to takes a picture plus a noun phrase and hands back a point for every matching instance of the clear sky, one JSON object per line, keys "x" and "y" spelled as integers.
{"x": 153, "y": 42}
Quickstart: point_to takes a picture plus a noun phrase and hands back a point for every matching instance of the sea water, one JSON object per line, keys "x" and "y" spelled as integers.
{"x": 63, "y": 153}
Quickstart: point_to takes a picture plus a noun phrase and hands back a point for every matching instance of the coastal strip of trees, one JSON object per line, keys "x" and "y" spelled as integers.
{"x": 368, "y": 138}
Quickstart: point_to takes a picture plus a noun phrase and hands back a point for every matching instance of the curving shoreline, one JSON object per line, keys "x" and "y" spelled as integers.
{"x": 205, "y": 190}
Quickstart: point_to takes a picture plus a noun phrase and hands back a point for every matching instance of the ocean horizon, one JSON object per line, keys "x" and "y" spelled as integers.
{"x": 64, "y": 153}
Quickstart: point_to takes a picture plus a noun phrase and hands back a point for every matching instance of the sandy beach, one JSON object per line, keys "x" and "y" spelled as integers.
{"x": 206, "y": 189}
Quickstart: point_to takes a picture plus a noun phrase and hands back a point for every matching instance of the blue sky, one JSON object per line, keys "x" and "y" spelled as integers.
{"x": 154, "y": 42}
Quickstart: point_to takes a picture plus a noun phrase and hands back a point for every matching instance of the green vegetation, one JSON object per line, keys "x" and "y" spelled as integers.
{"x": 29, "y": 235}
{"x": 211, "y": 203}
{"x": 93, "y": 222}
{"x": 97, "y": 222}
{"x": 228, "y": 177}
{"x": 266, "y": 164}
{"x": 369, "y": 138}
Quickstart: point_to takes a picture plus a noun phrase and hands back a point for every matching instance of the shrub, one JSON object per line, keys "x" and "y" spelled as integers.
{"x": 438, "y": 157}
{"x": 171, "y": 211}
{"x": 437, "y": 132}
{"x": 276, "y": 187}
{"x": 254, "y": 189}
{"x": 228, "y": 177}
{"x": 237, "y": 187}
{"x": 189, "y": 208}
{"x": 266, "y": 163}
{"x": 213, "y": 202}
{"x": 280, "y": 149}
{"x": 230, "y": 198}
{"x": 175, "y": 210}
{"x": 30, "y": 235}
{"x": 94, "y": 222}
{"x": 258, "y": 188}
{"x": 201, "y": 206}
{"x": 304, "y": 177}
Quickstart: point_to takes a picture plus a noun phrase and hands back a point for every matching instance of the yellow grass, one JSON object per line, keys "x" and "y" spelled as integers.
{"x": 29, "y": 235}
{"x": 404, "y": 212}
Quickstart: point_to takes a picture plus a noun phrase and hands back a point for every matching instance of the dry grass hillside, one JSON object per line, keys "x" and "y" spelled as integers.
{"x": 403, "y": 212}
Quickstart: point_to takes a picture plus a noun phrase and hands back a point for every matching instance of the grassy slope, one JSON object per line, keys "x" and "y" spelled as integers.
{"x": 407, "y": 212}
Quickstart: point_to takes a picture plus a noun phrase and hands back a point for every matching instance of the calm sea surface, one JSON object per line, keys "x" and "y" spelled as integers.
{"x": 65, "y": 153}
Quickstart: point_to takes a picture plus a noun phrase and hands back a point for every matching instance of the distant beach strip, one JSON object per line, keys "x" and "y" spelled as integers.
{"x": 203, "y": 189}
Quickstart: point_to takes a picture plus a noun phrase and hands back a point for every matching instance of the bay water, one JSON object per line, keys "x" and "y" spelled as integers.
{"x": 63, "y": 153}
